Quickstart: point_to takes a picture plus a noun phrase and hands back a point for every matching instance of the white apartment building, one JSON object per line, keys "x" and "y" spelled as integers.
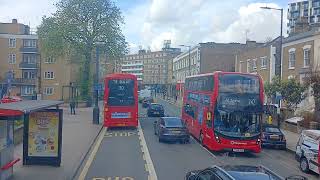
{"x": 133, "y": 67}
{"x": 181, "y": 64}
{"x": 307, "y": 11}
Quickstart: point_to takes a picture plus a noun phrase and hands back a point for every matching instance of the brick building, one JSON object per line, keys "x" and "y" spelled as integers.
{"x": 262, "y": 59}
{"x": 207, "y": 57}
{"x": 301, "y": 55}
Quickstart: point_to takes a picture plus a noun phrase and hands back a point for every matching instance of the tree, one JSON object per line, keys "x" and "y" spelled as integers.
{"x": 272, "y": 88}
{"x": 292, "y": 92}
{"x": 313, "y": 80}
{"x": 77, "y": 26}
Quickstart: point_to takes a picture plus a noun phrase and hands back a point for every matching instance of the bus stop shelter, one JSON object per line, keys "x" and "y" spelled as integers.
{"x": 42, "y": 134}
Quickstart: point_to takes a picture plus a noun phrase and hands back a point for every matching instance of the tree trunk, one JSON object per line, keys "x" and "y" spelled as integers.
{"x": 85, "y": 84}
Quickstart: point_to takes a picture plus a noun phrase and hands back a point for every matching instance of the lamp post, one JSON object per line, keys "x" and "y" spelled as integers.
{"x": 96, "y": 110}
{"x": 280, "y": 54}
{"x": 189, "y": 48}
{"x": 281, "y": 24}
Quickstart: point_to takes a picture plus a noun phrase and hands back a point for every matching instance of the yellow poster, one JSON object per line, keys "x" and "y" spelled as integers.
{"x": 43, "y": 134}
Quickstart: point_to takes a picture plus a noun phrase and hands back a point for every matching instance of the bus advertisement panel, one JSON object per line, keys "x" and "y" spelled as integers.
{"x": 224, "y": 110}
{"x": 121, "y": 100}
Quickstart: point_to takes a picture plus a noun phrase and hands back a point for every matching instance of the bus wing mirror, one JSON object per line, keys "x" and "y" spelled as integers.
{"x": 209, "y": 116}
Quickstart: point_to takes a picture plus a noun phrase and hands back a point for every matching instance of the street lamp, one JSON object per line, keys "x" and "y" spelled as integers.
{"x": 281, "y": 10}
{"x": 96, "y": 110}
{"x": 189, "y": 48}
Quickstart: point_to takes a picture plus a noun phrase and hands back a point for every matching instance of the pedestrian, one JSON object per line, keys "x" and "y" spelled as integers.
{"x": 176, "y": 98}
{"x": 73, "y": 107}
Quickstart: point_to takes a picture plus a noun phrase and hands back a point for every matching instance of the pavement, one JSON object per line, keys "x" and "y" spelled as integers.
{"x": 136, "y": 154}
{"x": 78, "y": 136}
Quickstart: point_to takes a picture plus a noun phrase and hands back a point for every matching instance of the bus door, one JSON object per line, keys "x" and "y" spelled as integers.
{"x": 208, "y": 135}
{"x": 190, "y": 112}
{"x": 198, "y": 122}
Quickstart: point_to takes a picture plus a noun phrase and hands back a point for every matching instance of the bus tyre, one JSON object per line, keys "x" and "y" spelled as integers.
{"x": 304, "y": 166}
{"x": 201, "y": 138}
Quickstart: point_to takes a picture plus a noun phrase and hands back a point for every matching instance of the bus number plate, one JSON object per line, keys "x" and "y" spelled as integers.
{"x": 120, "y": 115}
{"x": 238, "y": 150}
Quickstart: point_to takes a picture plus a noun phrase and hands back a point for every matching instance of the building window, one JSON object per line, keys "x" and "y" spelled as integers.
{"x": 48, "y": 90}
{"x": 50, "y": 60}
{"x": 30, "y": 43}
{"x": 29, "y": 75}
{"x": 240, "y": 66}
{"x": 263, "y": 61}
{"x": 27, "y": 90}
{"x": 29, "y": 59}
{"x": 306, "y": 57}
{"x": 254, "y": 64}
{"x": 12, "y": 58}
{"x": 12, "y": 42}
{"x": 248, "y": 65}
{"x": 49, "y": 75}
{"x": 292, "y": 59}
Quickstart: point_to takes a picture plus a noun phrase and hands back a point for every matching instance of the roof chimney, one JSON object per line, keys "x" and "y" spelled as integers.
{"x": 14, "y": 21}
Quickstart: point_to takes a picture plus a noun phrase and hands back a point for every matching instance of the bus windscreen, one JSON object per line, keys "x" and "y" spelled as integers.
{"x": 235, "y": 83}
{"x": 121, "y": 92}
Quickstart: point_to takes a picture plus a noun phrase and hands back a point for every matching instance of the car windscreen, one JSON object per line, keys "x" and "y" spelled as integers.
{"x": 272, "y": 130}
{"x": 173, "y": 122}
{"x": 156, "y": 106}
{"x": 121, "y": 92}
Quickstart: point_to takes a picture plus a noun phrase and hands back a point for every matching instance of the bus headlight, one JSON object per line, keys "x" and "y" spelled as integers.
{"x": 217, "y": 139}
{"x": 258, "y": 141}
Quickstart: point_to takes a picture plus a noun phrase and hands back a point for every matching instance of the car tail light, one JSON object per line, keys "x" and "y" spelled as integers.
{"x": 283, "y": 138}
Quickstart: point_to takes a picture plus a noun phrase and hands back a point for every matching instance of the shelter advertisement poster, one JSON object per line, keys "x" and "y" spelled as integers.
{"x": 3, "y": 134}
{"x": 43, "y": 134}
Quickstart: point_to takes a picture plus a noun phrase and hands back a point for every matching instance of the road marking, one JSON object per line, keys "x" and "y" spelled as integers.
{"x": 119, "y": 134}
{"x": 152, "y": 171}
{"x": 146, "y": 167}
{"x": 92, "y": 155}
{"x": 113, "y": 178}
{"x": 204, "y": 147}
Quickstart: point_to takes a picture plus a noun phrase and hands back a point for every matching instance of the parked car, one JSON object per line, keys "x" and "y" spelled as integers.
{"x": 155, "y": 109}
{"x": 237, "y": 172}
{"x": 307, "y": 151}
{"x": 171, "y": 129}
{"x": 272, "y": 136}
{"x": 146, "y": 102}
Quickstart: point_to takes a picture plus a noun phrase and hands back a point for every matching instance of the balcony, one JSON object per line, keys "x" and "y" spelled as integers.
{"x": 24, "y": 49}
{"x": 24, "y": 81}
{"x": 25, "y": 65}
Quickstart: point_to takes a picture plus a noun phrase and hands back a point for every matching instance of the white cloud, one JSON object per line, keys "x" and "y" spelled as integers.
{"x": 27, "y": 12}
{"x": 194, "y": 21}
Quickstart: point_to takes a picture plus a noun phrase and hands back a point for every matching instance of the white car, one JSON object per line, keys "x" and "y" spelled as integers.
{"x": 307, "y": 151}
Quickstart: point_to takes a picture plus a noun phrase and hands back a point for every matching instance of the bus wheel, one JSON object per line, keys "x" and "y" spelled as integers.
{"x": 201, "y": 138}
{"x": 304, "y": 166}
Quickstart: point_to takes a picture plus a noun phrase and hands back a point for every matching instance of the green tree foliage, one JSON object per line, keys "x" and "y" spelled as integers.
{"x": 77, "y": 26}
{"x": 292, "y": 92}
{"x": 314, "y": 81}
{"x": 272, "y": 88}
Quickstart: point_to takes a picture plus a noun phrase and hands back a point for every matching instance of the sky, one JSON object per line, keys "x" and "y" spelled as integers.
{"x": 149, "y": 22}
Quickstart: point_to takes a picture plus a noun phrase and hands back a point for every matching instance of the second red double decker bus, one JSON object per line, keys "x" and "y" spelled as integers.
{"x": 121, "y": 100}
{"x": 223, "y": 110}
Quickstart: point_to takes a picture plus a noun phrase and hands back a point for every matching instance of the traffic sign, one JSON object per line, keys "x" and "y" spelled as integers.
{"x": 98, "y": 87}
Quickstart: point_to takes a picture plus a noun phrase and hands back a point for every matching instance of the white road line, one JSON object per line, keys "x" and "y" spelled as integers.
{"x": 152, "y": 171}
{"x": 92, "y": 155}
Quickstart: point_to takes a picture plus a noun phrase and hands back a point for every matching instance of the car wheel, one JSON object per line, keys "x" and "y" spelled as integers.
{"x": 201, "y": 138}
{"x": 304, "y": 166}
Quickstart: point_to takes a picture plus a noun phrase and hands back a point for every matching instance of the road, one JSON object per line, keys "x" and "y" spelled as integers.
{"x": 123, "y": 154}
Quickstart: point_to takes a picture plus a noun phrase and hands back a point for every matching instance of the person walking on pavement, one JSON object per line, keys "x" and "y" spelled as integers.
{"x": 73, "y": 106}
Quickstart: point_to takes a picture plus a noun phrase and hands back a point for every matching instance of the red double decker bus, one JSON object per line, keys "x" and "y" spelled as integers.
{"x": 121, "y": 100}
{"x": 223, "y": 110}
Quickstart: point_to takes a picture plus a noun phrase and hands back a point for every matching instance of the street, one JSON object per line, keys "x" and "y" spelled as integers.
{"x": 122, "y": 155}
